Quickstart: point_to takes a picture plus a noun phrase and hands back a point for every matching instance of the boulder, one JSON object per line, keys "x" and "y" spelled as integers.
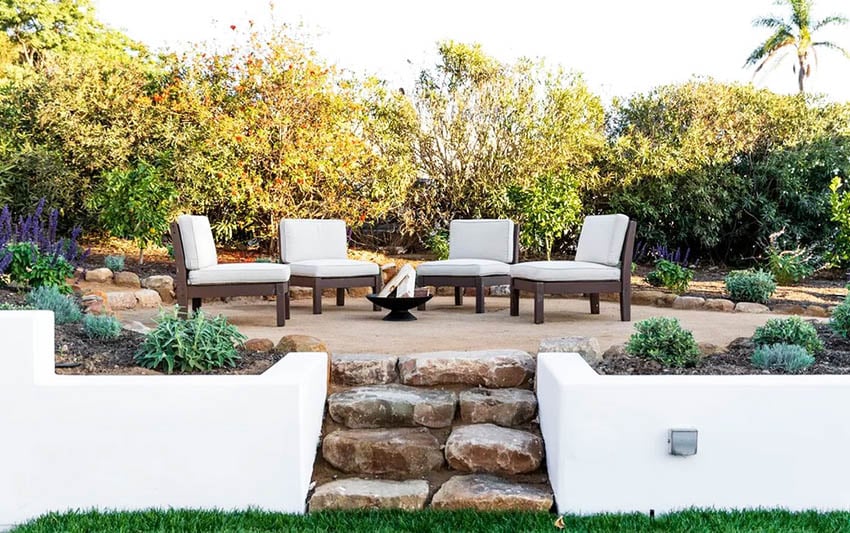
{"x": 817, "y": 311}
{"x": 500, "y": 290}
{"x": 363, "y": 369}
{"x": 719, "y": 304}
{"x": 750, "y": 307}
{"x": 259, "y": 345}
{"x": 488, "y": 368}
{"x": 300, "y": 343}
{"x": 587, "y": 347}
{"x": 136, "y": 326}
{"x": 164, "y": 285}
{"x": 300, "y": 293}
{"x": 377, "y": 406}
{"x": 707, "y": 348}
{"x": 95, "y": 304}
{"x": 503, "y": 407}
{"x": 614, "y": 351}
{"x": 127, "y": 279}
{"x": 666, "y": 300}
{"x": 399, "y": 451}
{"x": 356, "y": 493}
{"x": 493, "y": 449}
{"x": 688, "y": 302}
{"x": 118, "y": 300}
{"x": 484, "y": 492}
{"x": 99, "y": 275}
{"x": 789, "y": 309}
{"x": 147, "y": 298}
{"x": 647, "y": 297}
{"x": 359, "y": 292}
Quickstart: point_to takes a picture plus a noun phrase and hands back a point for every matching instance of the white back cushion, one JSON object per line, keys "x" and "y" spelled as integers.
{"x": 198, "y": 243}
{"x": 482, "y": 239}
{"x": 601, "y": 239}
{"x": 305, "y": 239}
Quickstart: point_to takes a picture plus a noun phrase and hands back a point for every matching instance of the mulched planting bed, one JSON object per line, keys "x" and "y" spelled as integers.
{"x": 835, "y": 359}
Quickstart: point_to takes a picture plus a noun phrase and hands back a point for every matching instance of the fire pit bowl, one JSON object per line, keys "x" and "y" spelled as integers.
{"x": 399, "y": 307}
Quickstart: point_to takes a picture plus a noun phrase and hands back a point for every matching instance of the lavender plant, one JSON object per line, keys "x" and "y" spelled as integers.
{"x": 646, "y": 253}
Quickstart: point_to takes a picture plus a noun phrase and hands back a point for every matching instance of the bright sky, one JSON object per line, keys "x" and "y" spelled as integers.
{"x": 621, "y": 46}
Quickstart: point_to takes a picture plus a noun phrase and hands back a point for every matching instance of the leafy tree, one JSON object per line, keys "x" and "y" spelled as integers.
{"x": 796, "y": 32}
{"x": 547, "y": 210}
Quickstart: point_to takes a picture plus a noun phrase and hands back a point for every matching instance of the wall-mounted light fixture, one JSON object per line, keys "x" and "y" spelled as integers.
{"x": 683, "y": 441}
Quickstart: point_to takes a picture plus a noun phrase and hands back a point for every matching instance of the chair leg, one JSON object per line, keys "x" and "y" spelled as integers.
{"x": 538, "y": 303}
{"x": 479, "y": 295}
{"x": 286, "y": 303}
{"x": 280, "y": 303}
{"x": 458, "y": 295}
{"x": 626, "y": 304}
{"x": 196, "y": 304}
{"x": 514, "y": 301}
{"x": 317, "y": 299}
{"x": 376, "y": 288}
{"x": 340, "y": 296}
{"x": 594, "y": 303}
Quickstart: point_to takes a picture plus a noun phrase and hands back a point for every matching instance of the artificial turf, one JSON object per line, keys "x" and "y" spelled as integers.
{"x": 453, "y": 521}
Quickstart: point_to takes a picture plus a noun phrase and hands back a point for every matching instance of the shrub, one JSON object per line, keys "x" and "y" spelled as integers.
{"x": 104, "y": 327}
{"x": 50, "y": 298}
{"x": 788, "y": 357}
{"x": 114, "y": 263}
{"x": 792, "y": 330}
{"x": 438, "y": 243}
{"x": 547, "y": 210}
{"x": 664, "y": 340}
{"x": 670, "y": 275}
{"x": 5, "y": 306}
{"x": 196, "y": 343}
{"x": 788, "y": 267}
{"x": 840, "y": 320}
{"x": 750, "y": 286}
{"x": 32, "y": 268}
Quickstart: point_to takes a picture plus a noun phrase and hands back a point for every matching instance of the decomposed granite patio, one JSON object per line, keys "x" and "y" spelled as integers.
{"x": 355, "y": 328}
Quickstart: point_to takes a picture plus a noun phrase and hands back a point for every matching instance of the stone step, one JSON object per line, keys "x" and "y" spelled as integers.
{"x": 401, "y": 451}
{"x": 363, "y": 369}
{"x": 359, "y": 493}
{"x": 493, "y": 449}
{"x": 487, "y": 368}
{"x": 503, "y": 407}
{"x": 484, "y": 492}
{"x": 379, "y": 406}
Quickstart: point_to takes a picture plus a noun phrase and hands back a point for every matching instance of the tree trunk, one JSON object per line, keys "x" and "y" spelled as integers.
{"x": 141, "y": 256}
{"x": 801, "y": 73}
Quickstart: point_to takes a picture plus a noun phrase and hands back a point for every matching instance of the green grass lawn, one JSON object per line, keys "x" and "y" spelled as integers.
{"x": 387, "y": 521}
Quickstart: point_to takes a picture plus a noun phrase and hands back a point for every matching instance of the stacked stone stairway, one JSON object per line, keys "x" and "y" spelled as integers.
{"x": 446, "y": 430}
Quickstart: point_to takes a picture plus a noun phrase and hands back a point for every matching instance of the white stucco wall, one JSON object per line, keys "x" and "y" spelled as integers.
{"x": 135, "y": 442}
{"x": 764, "y": 441}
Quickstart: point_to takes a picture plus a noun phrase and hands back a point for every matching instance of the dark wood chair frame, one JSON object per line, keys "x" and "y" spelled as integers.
{"x": 196, "y": 293}
{"x": 340, "y": 284}
{"x": 476, "y": 282}
{"x": 623, "y": 286}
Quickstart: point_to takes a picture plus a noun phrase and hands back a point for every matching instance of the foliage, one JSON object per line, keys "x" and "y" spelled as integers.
{"x": 788, "y": 267}
{"x": 187, "y": 344}
{"x": 5, "y": 306}
{"x": 114, "y": 263}
{"x": 105, "y": 327}
{"x": 839, "y": 203}
{"x": 546, "y": 210}
{"x": 787, "y": 357}
{"x": 840, "y": 319}
{"x": 750, "y": 286}
{"x": 32, "y": 268}
{"x": 795, "y": 32}
{"x": 49, "y": 298}
{"x": 670, "y": 275}
{"x": 791, "y": 330}
{"x": 135, "y": 203}
{"x": 438, "y": 243}
{"x": 644, "y": 252}
{"x": 664, "y": 340}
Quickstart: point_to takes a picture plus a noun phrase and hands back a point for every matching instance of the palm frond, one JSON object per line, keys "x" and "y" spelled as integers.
{"x": 834, "y": 19}
{"x": 780, "y": 39}
{"x": 831, "y": 45}
{"x": 800, "y": 13}
{"x": 771, "y": 22}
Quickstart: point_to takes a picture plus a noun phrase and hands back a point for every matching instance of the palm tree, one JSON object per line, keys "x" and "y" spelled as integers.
{"x": 795, "y": 32}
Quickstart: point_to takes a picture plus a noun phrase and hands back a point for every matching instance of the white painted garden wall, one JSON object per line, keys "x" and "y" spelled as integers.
{"x": 764, "y": 441}
{"x": 135, "y": 442}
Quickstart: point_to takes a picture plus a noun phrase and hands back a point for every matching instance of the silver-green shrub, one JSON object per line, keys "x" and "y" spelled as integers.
{"x": 49, "y": 298}
{"x": 105, "y": 327}
{"x": 788, "y": 357}
{"x": 750, "y": 286}
{"x": 114, "y": 263}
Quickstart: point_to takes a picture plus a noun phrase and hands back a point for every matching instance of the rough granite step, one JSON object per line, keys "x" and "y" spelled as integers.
{"x": 484, "y": 492}
{"x": 487, "y": 368}
{"x": 379, "y": 406}
{"x": 363, "y": 369}
{"x": 400, "y": 451}
{"x": 493, "y": 449}
{"x": 356, "y": 493}
{"x": 503, "y": 407}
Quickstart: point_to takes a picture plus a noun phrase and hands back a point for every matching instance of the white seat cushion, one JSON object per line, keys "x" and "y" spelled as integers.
{"x": 601, "y": 239}
{"x": 228, "y": 273}
{"x": 307, "y": 239}
{"x": 463, "y": 267}
{"x": 334, "y": 268}
{"x": 564, "y": 271}
{"x": 482, "y": 239}
{"x": 198, "y": 243}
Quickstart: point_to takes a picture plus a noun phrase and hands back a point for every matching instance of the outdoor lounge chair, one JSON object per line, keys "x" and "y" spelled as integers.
{"x": 317, "y": 253}
{"x": 603, "y": 263}
{"x": 480, "y": 254}
{"x": 199, "y": 274}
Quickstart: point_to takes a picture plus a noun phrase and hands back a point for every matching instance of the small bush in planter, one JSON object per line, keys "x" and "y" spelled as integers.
{"x": 750, "y": 286}
{"x": 105, "y": 327}
{"x": 670, "y": 275}
{"x": 664, "y": 340}
{"x": 50, "y": 298}
{"x": 788, "y": 357}
{"x": 840, "y": 320}
{"x": 792, "y": 330}
{"x": 114, "y": 263}
{"x": 196, "y": 343}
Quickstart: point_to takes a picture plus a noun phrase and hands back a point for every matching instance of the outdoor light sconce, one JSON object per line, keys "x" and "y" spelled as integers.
{"x": 683, "y": 442}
